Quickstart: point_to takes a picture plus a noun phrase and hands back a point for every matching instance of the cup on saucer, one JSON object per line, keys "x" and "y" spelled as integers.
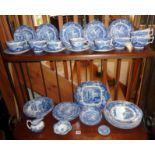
{"x": 54, "y": 45}
{"x": 78, "y": 43}
{"x": 103, "y": 43}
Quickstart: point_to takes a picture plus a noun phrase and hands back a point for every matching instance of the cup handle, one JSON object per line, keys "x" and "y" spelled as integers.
{"x": 151, "y": 40}
{"x": 28, "y": 122}
{"x": 151, "y": 32}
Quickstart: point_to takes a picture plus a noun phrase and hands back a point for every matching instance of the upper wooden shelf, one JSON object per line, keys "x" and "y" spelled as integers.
{"x": 86, "y": 55}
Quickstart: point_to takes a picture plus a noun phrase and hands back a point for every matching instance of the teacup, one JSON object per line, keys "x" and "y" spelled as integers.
{"x": 102, "y": 43}
{"x": 120, "y": 43}
{"x": 36, "y": 125}
{"x": 78, "y": 43}
{"x": 16, "y": 46}
{"x": 38, "y": 46}
{"x": 54, "y": 45}
{"x": 145, "y": 32}
{"x": 140, "y": 42}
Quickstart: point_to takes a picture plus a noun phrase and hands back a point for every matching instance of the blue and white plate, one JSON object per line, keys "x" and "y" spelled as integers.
{"x": 90, "y": 115}
{"x": 105, "y": 49}
{"x": 16, "y": 53}
{"x": 84, "y": 48}
{"x": 120, "y": 28}
{"x": 94, "y": 30}
{"x": 47, "y": 32}
{"x": 66, "y": 111}
{"x": 70, "y": 30}
{"x": 91, "y": 93}
{"x": 103, "y": 130}
{"x": 38, "y": 107}
{"x": 54, "y": 51}
{"x": 24, "y": 32}
{"x": 123, "y": 114}
{"x": 62, "y": 127}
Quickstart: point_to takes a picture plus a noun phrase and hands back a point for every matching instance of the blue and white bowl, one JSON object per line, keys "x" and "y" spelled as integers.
{"x": 140, "y": 42}
{"x": 62, "y": 127}
{"x": 120, "y": 43}
{"x": 38, "y": 107}
{"x": 123, "y": 114}
{"x": 54, "y": 45}
{"x": 141, "y": 33}
{"x": 92, "y": 93}
{"x": 90, "y": 115}
{"x": 77, "y": 43}
{"x": 38, "y": 45}
{"x": 66, "y": 111}
{"x": 17, "y": 46}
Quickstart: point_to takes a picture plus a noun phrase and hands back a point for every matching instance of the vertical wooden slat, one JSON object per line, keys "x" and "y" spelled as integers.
{"x": 75, "y": 19}
{"x": 52, "y": 66}
{"x": 130, "y": 77}
{"x": 91, "y": 70}
{"x": 106, "y": 20}
{"x": 136, "y": 21}
{"x": 60, "y": 22}
{"x": 104, "y": 71}
{"x": 45, "y": 18}
{"x": 65, "y": 66}
{"x": 91, "y": 18}
{"x": 141, "y": 81}
{"x": 118, "y": 67}
{"x": 71, "y": 70}
{"x": 78, "y": 70}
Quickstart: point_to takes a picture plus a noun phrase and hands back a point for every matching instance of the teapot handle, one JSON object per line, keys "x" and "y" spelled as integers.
{"x": 28, "y": 122}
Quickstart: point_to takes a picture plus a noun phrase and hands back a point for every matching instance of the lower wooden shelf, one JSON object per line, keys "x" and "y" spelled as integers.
{"x": 79, "y": 132}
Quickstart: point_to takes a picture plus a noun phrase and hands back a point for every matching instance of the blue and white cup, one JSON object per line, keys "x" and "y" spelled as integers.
{"x": 38, "y": 46}
{"x": 145, "y": 32}
{"x": 120, "y": 43}
{"x": 103, "y": 43}
{"x": 78, "y": 43}
{"x": 17, "y": 46}
{"x": 54, "y": 45}
{"x": 140, "y": 42}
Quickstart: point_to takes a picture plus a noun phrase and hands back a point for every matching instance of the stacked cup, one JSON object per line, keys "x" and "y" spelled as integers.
{"x": 140, "y": 38}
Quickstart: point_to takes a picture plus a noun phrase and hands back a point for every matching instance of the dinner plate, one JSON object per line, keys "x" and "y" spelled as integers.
{"x": 94, "y": 30}
{"x": 105, "y": 49}
{"x": 120, "y": 28}
{"x": 47, "y": 32}
{"x": 70, "y": 30}
{"x": 92, "y": 93}
{"x": 24, "y": 32}
{"x": 84, "y": 48}
{"x": 66, "y": 111}
{"x": 90, "y": 115}
{"x": 123, "y": 114}
{"x": 38, "y": 107}
{"x": 62, "y": 127}
{"x": 16, "y": 53}
{"x": 54, "y": 51}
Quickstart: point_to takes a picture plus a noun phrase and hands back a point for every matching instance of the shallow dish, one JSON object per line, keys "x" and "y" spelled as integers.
{"x": 84, "y": 48}
{"x": 24, "y": 32}
{"x": 47, "y": 32}
{"x": 91, "y": 93}
{"x": 69, "y": 31}
{"x": 123, "y": 114}
{"x": 62, "y": 127}
{"x": 90, "y": 115}
{"x": 103, "y": 130}
{"x": 120, "y": 28}
{"x": 16, "y": 53}
{"x": 105, "y": 49}
{"x": 38, "y": 107}
{"x": 66, "y": 111}
{"x": 94, "y": 30}
{"x": 54, "y": 51}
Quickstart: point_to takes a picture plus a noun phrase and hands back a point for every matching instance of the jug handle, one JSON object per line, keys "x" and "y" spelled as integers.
{"x": 28, "y": 124}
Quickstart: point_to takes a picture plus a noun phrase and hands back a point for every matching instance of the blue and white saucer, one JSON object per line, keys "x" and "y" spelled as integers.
{"x": 66, "y": 111}
{"x": 47, "y": 32}
{"x": 120, "y": 28}
{"x": 62, "y": 127}
{"x": 105, "y": 49}
{"x": 70, "y": 30}
{"x": 16, "y": 53}
{"x": 84, "y": 48}
{"x": 103, "y": 130}
{"x": 54, "y": 51}
{"x": 24, "y": 32}
{"x": 90, "y": 115}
